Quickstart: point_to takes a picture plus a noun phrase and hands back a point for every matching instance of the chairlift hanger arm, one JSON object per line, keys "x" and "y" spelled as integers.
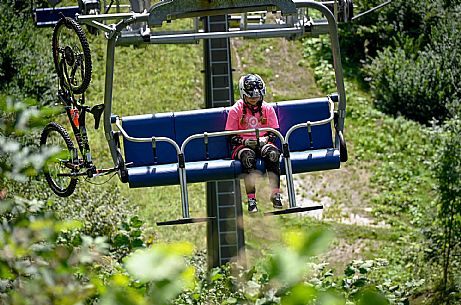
{"x": 333, "y": 31}
{"x": 174, "y": 9}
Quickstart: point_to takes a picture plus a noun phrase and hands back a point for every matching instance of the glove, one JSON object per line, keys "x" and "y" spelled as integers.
{"x": 263, "y": 141}
{"x": 251, "y": 143}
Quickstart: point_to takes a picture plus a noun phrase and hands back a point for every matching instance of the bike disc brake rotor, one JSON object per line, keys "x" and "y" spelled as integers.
{"x": 71, "y": 60}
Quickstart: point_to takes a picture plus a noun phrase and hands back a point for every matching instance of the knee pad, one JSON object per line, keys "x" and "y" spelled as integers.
{"x": 247, "y": 157}
{"x": 270, "y": 152}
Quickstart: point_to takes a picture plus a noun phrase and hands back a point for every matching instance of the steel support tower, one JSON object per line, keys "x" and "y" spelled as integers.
{"x": 225, "y": 240}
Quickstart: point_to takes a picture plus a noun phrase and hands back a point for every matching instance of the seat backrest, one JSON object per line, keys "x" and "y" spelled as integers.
{"x": 177, "y": 126}
{"x": 192, "y": 122}
{"x": 147, "y": 126}
{"x": 48, "y": 17}
{"x": 291, "y": 113}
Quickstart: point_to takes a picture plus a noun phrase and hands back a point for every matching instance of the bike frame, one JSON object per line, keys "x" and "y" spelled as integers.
{"x": 76, "y": 114}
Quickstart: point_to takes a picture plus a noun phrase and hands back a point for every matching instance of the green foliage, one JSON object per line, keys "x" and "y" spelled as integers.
{"x": 100, "y": 210}
{"x": 397, "y": 152}
{"x": 26, "y": 65}
{"x": 164, "y": 271}
{"x": 319, "y": 51}
{"x": 412, "y": 56}
{"x": 41, "y": 264}
{"x": 448, "y": 174}
{"x": 34, "y": 267}
{"x": 418, "y": 78}
{"x": 363, "y": 38}
{"x": 290, "y": 276}
{"x": 17, "y": 120}
{"x": 103, "y": 212}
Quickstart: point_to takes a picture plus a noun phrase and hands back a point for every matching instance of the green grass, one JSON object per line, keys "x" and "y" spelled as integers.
{"x": 387, "y": 182}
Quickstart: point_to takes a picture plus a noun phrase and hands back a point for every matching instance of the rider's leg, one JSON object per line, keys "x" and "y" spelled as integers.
{"x": 271, "y": 156}
{"x": 247, "y": 157}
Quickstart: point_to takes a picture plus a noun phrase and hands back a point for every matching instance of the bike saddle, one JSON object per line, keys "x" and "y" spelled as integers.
{"x": 97, "y": 111}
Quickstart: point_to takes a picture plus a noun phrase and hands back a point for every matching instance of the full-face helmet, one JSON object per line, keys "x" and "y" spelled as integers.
{"x": 252, "y": 85}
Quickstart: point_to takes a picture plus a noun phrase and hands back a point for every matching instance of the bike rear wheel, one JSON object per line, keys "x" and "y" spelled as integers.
{"x": 58, "y": 171}
{"x": 71, "y": 55}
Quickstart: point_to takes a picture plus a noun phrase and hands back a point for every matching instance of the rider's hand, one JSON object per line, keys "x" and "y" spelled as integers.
{"x": 251, "y": 143}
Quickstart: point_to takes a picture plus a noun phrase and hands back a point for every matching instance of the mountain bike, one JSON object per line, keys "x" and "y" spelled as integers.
{"x": 72, "y": 60}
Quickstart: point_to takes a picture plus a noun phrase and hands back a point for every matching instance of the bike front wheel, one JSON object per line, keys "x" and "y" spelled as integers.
{"x": 59, "y": 170}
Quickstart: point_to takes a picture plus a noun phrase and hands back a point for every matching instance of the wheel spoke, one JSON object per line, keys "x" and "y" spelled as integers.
{"x": 58, "y": 164}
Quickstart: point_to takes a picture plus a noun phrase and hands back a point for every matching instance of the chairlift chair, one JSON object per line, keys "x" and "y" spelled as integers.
{"x": 190, "y": 146}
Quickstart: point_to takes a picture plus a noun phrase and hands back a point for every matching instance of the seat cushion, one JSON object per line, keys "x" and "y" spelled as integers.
{"x": 223, "y": 169}
{"x": 167, "y": 174}
{"x": 313, "y": 160}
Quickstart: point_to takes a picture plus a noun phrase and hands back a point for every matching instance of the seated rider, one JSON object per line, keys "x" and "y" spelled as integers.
{"x": 249, "y": 112}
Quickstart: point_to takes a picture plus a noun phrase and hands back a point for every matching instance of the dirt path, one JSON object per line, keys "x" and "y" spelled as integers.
{"x": 344, "y": 193}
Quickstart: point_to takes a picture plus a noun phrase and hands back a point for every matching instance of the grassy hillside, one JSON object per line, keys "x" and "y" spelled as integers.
{"x": 161, "y": 78}
{"x": 168, "y": 78}
{"x": 375, "y": 204}
{"x": 379, "y": 205}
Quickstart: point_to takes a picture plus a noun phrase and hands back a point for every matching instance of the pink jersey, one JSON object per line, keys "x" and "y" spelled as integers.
{"x": 250, "y": 121}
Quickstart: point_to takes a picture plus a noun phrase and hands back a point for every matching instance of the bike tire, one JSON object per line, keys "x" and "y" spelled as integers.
{"x": 61, "y": 186}
{"x": 86, "y": 68}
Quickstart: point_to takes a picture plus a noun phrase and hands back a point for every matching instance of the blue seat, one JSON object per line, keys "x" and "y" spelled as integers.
{"x": 48, "y": 17}
{"x": 212, "y": 162}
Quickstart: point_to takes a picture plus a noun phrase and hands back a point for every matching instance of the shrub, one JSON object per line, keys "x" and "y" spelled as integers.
{"x": 448, "y": 174}
{"x": 421, "y": 86}
{"x": 26, "y": 65}
{"x": 365, "y": 36}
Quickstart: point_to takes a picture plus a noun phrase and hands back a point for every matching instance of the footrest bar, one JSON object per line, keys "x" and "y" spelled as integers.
{"x": 294, "y": 210}
{"x": 183, "y": 221}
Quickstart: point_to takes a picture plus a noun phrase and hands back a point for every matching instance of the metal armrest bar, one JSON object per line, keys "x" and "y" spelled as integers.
{"x": 228, "y": 133}
{"x": 288, "y": 168}
{"x": 181, "y": 167}
{"x": 261, "y": 33}
{"x": 114, "y": 16}
{"x": 333, "y": 33}
{"x": 286, "y": 157}
{"x": 100, "y": 26}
